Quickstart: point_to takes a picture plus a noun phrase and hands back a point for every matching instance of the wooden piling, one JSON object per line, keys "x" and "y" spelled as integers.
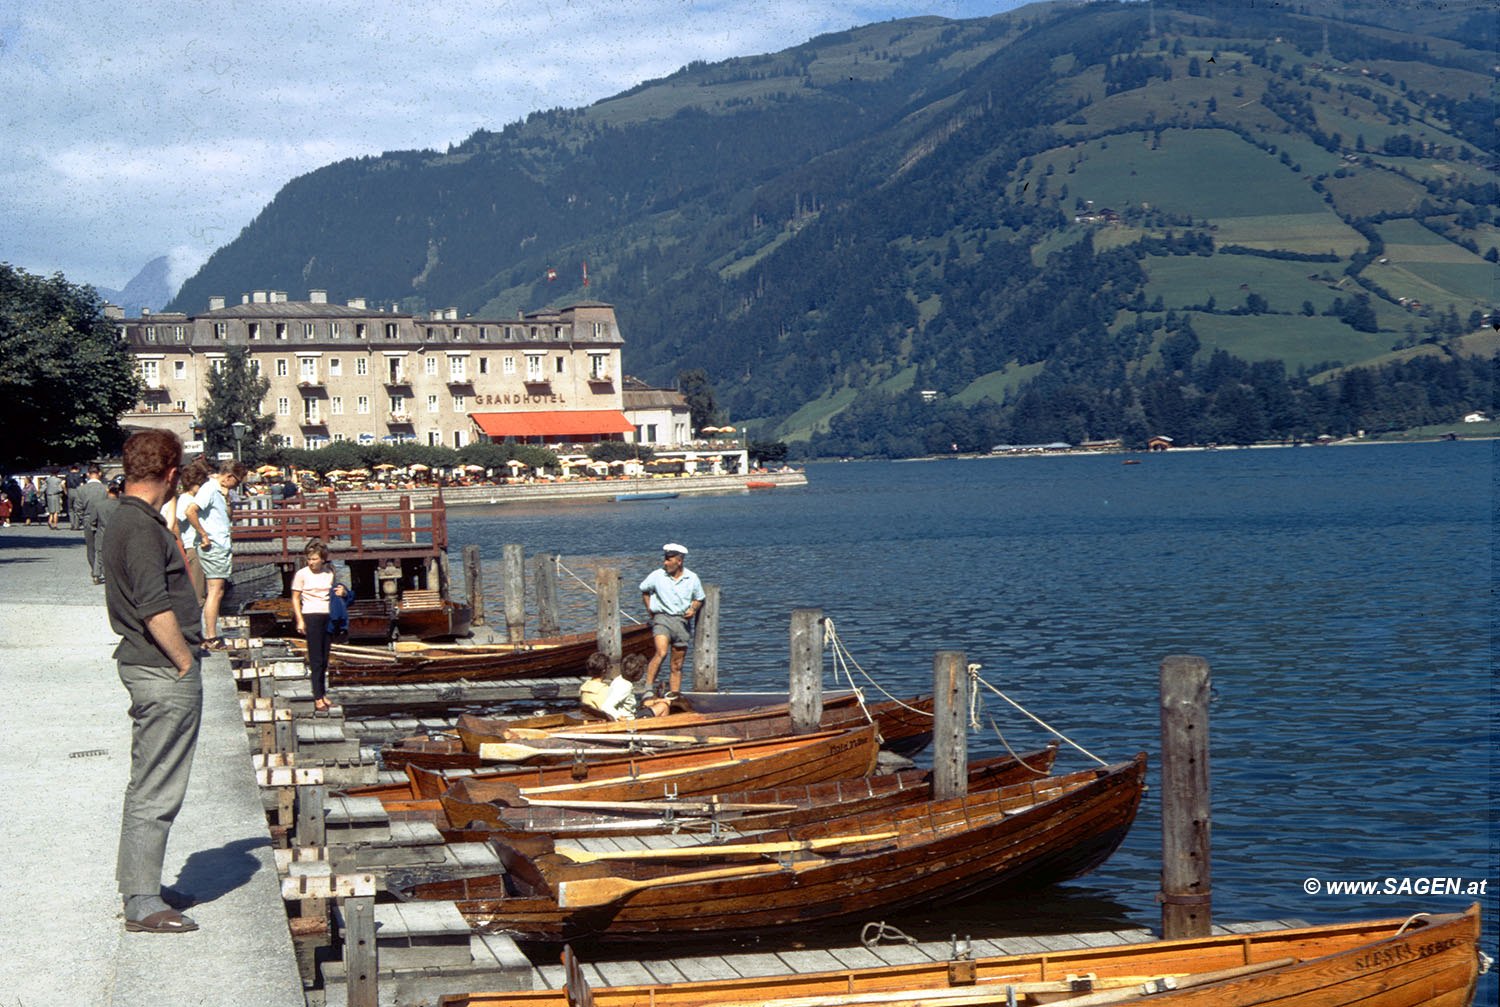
{"x": 474, "y": 585}
{"x": 1186, "y": 881}
{"x": 359, "y": 951}
{"x": 806, "y": 694}
{"x": 607, "y": 631}
{"x": 513, "y": 571}
{"x": 312, "y": 801}
{"x": 544, "y": 584}
{"x": 950, "y": 727}
{"x": 706, "y": 642}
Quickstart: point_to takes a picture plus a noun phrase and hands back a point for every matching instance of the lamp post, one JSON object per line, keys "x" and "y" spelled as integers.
{"x": 239, "y": 434}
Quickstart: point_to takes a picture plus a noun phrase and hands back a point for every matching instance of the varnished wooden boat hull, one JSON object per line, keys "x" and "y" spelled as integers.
{"x": 548, "y": 657}
{"x": 750, "y": 765}
{"x": 810, "y": 803}
{"x": 905, "y": 728}
{"x": 1017, "y": 838}
{"x": 1434, "y": 963}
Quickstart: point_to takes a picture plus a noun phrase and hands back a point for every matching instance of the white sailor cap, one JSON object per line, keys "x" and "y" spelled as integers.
{"x": 672, "y": 547}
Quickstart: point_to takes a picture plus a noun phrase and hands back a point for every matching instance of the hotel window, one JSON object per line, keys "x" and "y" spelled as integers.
{"x": 333, "y": 330}
{"x": 150, "y": 371}
{"x": 150, "y": 333}
{"x": 431, "y": 333}
{"x": 598, "y": 366}
{"x": 362, "y": 404}
{"x": 431, "y": 365}
{"x": 460, "y": 403}
{"x": 221, "y": 330}
{"x": 458, "y": 369}
{"x": 283, "y": 407}
{"x": 434, "y": 438}
{"x": 458, "y": 334}
{"x": 338, "y": 438}
{"x": 598, "y": 329}
{"x": 177, "y": 333}
{"x": 508, "y": 365}
{"x": 281, "y": 370}
{"x": 392, "y": 330}
{"x": 254, "y": 328}
{"x": 217, "y": 365}
{"x": 181, "y": 405}
{"x": 534, "y": 369}
{"x": 254, "y": 366}
{"x": 361, "y": 331}
{"x": 534, "y": 334}
{"x": 432, "y": 404}
{"x": 484, "y": 365}
{"x": 398, "y": 405}
{"x": 484, "y": 333}
{"x": 562, "y": 365}
{"x": 460, "y": 437}
{"x": 307, "y": 330}
{"x": 309, "y": 410}
{"x": 336, "y": 405}
{"x": 361, "y": 367}
{"x": 179, "y": 369}
{"x": 281, "y": 330}
{"x": 309, "y": 370}
{"x": 335, "y": 367}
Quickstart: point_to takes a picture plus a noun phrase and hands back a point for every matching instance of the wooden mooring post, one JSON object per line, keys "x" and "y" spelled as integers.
{"x": 474, "y": 585}
{"x": 360, "y": 962}
{"x": 950, "y": 724}
{"x": 1186, "y": 882}
{"x": 544, "y": 585}
{"x": 806, "y": 693}
{"x": 513, "y": 572}
{"x": 706, "y": 642}
{"x": 607, "y": 627}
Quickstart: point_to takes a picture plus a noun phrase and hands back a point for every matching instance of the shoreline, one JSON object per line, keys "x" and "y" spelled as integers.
{"x": 1351, "y": 442}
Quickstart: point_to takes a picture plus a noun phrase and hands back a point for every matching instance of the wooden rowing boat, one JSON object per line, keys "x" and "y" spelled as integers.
{"x": 544, "y": 657}
{"x": 748, "y": 765}
{"x": 1014, "y": 838}
{"x": 743, "y": 812}
{"x": 1422, "y": 961}
{"x": 905, "y": 727}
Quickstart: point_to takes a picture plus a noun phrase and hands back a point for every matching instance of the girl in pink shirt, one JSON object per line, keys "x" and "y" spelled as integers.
{"x": 311, "y": 588}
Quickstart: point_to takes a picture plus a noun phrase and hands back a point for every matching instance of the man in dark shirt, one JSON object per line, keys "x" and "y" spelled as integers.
{"x": 71, "y": 482}
{"x": 153, "y": 607}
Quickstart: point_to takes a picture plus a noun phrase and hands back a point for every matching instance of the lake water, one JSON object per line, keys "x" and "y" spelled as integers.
{"x": 1344, "y": 597}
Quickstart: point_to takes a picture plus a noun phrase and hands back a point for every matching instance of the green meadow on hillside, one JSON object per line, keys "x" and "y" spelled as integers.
{"x": 1183, "y": 280}
{"x": 1295, "y": 339}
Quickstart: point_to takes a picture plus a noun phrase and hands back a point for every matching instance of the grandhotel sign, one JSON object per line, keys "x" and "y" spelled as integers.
{"x": 520, "y": 399}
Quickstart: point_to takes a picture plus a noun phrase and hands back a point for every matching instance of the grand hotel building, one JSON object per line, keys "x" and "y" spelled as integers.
{"x": 346, "y": 372}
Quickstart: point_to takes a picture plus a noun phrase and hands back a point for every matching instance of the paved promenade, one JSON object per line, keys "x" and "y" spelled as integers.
{"x": 67, "y": 757}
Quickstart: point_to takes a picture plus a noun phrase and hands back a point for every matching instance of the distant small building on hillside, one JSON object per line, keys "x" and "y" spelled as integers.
{"x": 1476, "y": 418}
{"x": 1160, "y": 442}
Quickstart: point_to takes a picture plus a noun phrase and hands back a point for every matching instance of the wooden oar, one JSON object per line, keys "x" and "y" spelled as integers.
{"x": 505, "y": 751}
{"x": 689, "y": 805}
{"x": 603, "y": 891}
{"x": 613, "y": 738}
{"x": 726, "y": 849}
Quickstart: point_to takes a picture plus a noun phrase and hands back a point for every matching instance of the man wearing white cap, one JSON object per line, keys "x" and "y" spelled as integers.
{"x": 673, "y": 596}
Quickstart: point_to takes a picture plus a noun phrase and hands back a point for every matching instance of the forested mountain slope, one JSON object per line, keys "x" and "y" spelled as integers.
{"x": 1033, "y": 215}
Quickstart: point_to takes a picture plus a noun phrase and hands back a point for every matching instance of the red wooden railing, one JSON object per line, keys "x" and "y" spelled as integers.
{"x": 355, "y": 526}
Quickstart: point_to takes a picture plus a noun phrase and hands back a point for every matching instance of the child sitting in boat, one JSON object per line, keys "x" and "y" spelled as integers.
{"x": 615, "y": 699}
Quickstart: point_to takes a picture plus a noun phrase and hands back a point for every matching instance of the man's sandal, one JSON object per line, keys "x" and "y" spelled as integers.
{"x": 167, "y": 921}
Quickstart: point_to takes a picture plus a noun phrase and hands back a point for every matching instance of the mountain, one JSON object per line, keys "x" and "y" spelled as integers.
{"x": 1062, "y": 197}
{"x": 151, "y": 288}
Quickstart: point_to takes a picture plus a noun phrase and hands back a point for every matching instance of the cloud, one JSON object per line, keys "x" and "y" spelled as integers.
{"x": 135, "y": 127}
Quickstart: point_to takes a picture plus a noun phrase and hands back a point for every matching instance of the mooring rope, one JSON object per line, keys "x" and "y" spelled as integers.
{"x": 843, "y": 659}
{"x": 883, "y": 931}
{"x": 974, "y": 713}
{"x": 557, "y": 561}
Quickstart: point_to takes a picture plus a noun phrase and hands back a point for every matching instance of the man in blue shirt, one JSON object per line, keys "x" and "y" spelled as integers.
{"x": 672, "y": 595}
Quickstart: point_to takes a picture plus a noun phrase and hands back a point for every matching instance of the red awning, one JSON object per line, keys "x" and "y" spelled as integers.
{"x": 574, "y": 423}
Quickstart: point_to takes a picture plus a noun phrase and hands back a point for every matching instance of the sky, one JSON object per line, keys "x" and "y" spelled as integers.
{"x": 138, "y": 128}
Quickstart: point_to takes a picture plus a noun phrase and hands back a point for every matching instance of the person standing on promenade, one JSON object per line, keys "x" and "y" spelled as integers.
{"x": 215, "y": 554}
{"x": 54, "y": 492}
{"x": 151, "y": 605}
{"x": 312, "y": 592}
{"x": 84, "y": 502}
{"x": 189, "y": 527}
{"x": 71, "y": 482}
{"x": 672, "y": 595}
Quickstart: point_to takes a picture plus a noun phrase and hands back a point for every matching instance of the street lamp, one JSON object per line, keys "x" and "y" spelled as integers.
{"x": 239, "y": 433}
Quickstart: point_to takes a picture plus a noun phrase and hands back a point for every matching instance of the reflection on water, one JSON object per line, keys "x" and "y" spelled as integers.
{"x": 1342, "y": 595}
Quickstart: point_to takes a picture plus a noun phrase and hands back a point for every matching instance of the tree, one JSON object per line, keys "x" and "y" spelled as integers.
{"x": 234, "y": 395}
{"x": 65, "y": 376}
{"x": 699, "y": 395}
